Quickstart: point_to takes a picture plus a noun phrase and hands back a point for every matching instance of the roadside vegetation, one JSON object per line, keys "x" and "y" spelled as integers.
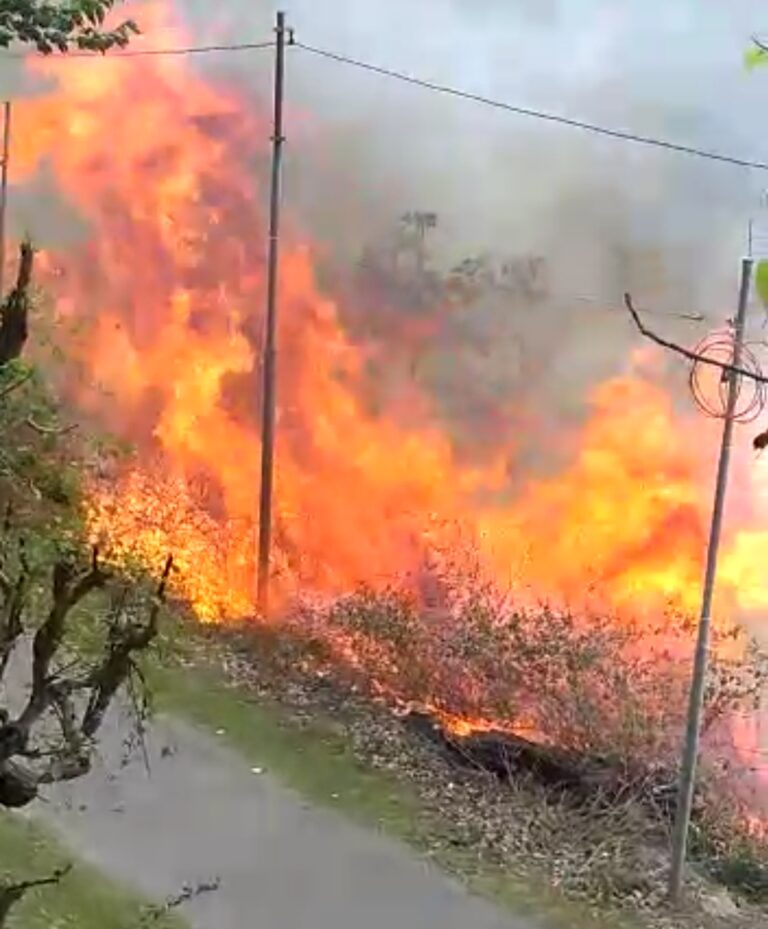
{"x": 288, "y": 704}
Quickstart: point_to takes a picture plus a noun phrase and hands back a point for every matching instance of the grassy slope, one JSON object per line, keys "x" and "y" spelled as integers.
{"x": 315, "y": 760}
{"x": 83, "y": 900}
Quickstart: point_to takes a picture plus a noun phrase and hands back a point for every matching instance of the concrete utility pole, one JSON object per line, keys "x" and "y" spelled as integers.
{"x": 269, "y": 358}
{"x": 701, "y": 661}
{"x": 4, "y": 189}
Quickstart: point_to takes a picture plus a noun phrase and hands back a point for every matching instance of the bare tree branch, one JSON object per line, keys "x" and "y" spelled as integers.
{"x": 11, "y": 617}
{"x": 117, "y": 664}
{"x": 14, "y": 385}
{"x": 14, "y": 592}
{"x": 688, "y": 353}
{"x": 74, "y": 760}
{"x": 18, "y": 781}
{"x": 69, "y": 589}
{"x": 76, "y": 702}
{"x": 49, "y": 430}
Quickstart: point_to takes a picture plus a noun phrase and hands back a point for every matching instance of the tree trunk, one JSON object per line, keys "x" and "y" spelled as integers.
{"x": 18, "y": 785}
{"x": 15, "y": 310}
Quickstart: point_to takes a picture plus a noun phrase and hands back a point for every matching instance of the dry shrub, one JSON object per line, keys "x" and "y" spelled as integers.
{"x": 607, "y": 688}
{"x": 593, "y": 684}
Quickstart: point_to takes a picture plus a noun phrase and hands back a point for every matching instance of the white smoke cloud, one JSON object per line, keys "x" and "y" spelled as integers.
{"x": 368, "y": 148}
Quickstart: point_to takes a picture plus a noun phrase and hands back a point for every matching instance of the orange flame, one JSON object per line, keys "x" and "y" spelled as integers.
{"x": 160, "y": 163}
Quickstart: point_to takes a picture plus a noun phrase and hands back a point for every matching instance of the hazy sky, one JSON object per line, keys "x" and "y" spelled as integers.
{"x": 369, "y": 148}
{"x": 666, "y": 67}
{"x": 682, "y": 51}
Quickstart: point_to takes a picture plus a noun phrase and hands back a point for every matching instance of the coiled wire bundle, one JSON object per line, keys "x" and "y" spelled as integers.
{"x": 709, "y": 380}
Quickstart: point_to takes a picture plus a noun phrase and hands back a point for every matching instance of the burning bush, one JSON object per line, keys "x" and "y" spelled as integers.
{"x": 590, "y": 684}
{"x": 586, "y": 711}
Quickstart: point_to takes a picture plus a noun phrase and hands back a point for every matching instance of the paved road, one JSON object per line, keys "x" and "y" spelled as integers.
{"x": 203, "y": 813}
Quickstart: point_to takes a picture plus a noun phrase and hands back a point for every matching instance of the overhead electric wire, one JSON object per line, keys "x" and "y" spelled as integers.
{"x": 423, "y": 83}
{"x": 143, "y": 52}
{"x": 594, "y": 128}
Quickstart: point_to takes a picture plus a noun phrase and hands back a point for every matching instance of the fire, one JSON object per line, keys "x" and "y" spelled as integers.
{"x": 165, "y": 168}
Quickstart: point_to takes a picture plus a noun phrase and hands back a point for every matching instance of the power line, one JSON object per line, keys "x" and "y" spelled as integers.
{"x": 536, "y": 114}
{"x": 433, "y": 86}
{"x": 144, "y": 52}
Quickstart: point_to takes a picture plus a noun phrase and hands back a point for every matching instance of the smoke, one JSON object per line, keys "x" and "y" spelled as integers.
{"x": 605, "y": 216}
{"x": 500, "y": 181}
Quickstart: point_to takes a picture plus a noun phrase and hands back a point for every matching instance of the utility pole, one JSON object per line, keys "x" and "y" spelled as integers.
{"x": 4, "y": 189}
{"x": 269, "y": 357}
{"x": 698, "y": 684}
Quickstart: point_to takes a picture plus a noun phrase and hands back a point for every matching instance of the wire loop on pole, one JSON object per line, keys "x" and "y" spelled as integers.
{"x": 709, "y": 385}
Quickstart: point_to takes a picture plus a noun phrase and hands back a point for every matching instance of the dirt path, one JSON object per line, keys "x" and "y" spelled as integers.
{"x": 204, "y": 813}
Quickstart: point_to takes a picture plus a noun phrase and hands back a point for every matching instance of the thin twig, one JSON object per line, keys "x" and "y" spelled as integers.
{"x": 118, "y": 659}
{"x": 49, "y": 430}
{"x": 12, "y": 894}
{"x": 189, "y": 892}
{"x": 19, "y": 382}
{"x": 695, "y": 357}
{"x": 54, "y": 878}
{"x": 139, "y": 716}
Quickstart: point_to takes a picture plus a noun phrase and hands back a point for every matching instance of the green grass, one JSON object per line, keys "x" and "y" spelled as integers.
{"x": 315, "y": 759}
{"x": 84, "y": 899}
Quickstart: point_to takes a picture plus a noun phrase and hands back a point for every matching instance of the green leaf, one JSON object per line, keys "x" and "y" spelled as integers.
{"x": 761, "y": 281}
{"x": 51, "y": 25}
{"x": 755, "y": 57}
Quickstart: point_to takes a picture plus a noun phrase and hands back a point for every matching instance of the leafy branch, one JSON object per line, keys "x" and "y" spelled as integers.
{"x": 52, "y": 26}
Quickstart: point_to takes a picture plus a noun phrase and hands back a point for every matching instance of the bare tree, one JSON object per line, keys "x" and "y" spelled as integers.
{"x": 52, "y": 737}
{"x": 53, "y": 734}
